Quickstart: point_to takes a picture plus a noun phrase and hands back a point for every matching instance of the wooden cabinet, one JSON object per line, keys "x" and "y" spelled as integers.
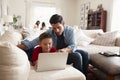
{"x": 97, "y": 20}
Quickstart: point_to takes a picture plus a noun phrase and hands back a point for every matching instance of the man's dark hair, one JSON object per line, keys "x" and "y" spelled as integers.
{"x": 44, "y": 36}
{"x": 56, "y": 19}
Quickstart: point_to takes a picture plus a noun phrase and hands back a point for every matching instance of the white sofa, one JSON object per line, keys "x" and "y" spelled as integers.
{"x": 19, "y": 67}
{"x": 70, "y": 73}
{"x": 14, "y": 64}
{"x": 93, "y": 48}
{"x": 90, "y": 47}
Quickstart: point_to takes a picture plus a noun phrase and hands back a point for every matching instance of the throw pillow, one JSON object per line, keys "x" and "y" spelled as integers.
{"x": 106, "y": 39}
{"x": 81, "y": 39}
{"x": 14, "y": 64}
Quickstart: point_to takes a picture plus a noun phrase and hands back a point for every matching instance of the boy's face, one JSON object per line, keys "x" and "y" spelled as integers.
{"x": 46, "y": 44}
{"x": 58, "y": 28}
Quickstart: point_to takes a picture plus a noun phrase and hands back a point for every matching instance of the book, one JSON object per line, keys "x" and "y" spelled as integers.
{"x": 109, "y": 53}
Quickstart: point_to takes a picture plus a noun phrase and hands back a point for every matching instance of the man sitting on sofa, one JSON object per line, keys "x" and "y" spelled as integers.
{"x": 63, "y": 40}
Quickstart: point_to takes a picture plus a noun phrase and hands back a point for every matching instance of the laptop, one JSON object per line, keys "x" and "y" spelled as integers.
{"x": 51, "y": 61}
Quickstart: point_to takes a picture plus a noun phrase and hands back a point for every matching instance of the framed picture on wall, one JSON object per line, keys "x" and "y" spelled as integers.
{"x": 84, "y": 15}
{"x": 87, "y": 7}
{"x": 82, "y": 9}
{"x": 81, "y": 17}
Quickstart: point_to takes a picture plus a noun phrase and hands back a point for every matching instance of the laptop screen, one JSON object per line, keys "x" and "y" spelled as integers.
{"x": 52, "y": 61}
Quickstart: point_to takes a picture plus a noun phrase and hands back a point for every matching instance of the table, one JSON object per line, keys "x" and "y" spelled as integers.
{"x": 109, "y": 65}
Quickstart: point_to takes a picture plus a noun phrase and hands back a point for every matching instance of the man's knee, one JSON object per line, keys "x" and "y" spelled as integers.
{"x": 83, "y": 53}
{"x": 76, "y": 55}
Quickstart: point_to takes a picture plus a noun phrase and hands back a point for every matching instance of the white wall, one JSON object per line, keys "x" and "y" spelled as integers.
{"x": 17, "y": 7}
{"x": 107, "y": 5}
{"x": 67, "y": 8}
{"x": 115, "y": 23}
{"x": 3, "y": 6}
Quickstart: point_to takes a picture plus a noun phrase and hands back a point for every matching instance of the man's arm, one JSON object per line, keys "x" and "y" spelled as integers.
{"x": 70, "y": 39}
{"x": 26, "y": 44}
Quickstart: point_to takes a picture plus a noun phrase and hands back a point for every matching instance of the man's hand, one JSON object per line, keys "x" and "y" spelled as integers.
{"x": 21, "y": 46}
{"x": 65, "y": 50}
{"x": 61, "y": 50}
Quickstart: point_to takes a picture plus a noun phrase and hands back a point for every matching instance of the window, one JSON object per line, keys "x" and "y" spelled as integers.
{"x": 116, "y": 15}
{"x": 43, "y": 14}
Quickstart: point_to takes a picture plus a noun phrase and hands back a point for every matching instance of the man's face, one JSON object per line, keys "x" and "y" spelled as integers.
{"x": 58, "y": 28}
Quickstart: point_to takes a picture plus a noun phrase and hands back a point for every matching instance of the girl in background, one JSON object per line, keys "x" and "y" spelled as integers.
{"x": 36, "y": 26}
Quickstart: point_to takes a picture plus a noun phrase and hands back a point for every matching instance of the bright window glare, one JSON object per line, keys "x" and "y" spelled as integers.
{"x": 116, "y": 16}
{"x": 43, "y": 14}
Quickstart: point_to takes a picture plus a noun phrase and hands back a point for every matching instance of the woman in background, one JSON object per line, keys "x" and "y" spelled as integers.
{"x": 43, "y": 26}
{"x": 36, "y": 26}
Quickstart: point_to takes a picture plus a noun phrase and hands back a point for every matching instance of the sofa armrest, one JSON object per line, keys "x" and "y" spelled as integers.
{"x": 117, "y": 43}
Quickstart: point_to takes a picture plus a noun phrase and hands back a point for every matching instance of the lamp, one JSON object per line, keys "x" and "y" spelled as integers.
{"x": 8, "y": 19}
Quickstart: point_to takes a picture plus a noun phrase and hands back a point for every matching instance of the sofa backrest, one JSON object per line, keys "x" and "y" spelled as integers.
{"x": 14, "y": 64}
{"x": 92, "y": 33}
{"x": 11, "y": 36}
{"x": 117, "y": 43}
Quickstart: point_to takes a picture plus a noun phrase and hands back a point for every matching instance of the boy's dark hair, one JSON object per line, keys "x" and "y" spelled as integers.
{"x": 44, "y": 36}
{"x": 56, "y": 19}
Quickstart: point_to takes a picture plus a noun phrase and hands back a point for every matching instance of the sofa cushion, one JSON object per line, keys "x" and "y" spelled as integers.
{"x": 106, "y": 39}
{"x": 117, "y": 43}
{"x": 69, "y": 73}
{"x": 93, "y": 49}
{"x": 14, "y": 64}
{"x": 81, "y": 39}
{"x": 92, "y": 33}
{"x": 11, "y": 36}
